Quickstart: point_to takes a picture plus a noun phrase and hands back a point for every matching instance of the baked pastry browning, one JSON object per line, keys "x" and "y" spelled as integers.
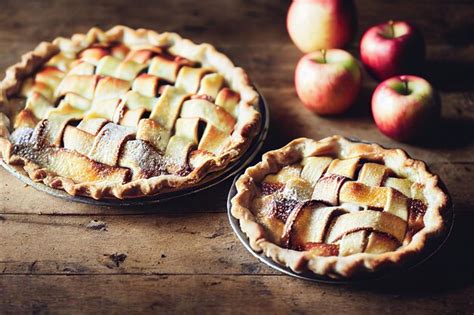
{"x": 340, "y": 208}
{"x": 125, "y": 113}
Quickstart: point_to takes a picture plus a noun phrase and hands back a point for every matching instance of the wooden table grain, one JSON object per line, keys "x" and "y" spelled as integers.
{"x": 182, "y": 256}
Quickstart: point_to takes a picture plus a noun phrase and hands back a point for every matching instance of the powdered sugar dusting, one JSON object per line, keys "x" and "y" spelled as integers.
{"x": 21, "y": 136}
{"x": 146, "y": 162}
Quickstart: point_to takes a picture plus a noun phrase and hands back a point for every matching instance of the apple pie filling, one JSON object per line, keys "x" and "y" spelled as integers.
{"x": 339, "y": 207}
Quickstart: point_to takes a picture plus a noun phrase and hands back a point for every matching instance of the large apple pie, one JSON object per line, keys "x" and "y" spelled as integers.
{"x": 340, "y": 208}
{"x": 125, "y": 113}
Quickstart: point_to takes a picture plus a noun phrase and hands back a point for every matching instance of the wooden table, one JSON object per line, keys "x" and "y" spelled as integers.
{"x": 182, "y": 256}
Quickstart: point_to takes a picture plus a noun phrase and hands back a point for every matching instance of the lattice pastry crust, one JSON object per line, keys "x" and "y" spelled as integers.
{"x": 340, "y": 208}
{"x": 125, "y": 113}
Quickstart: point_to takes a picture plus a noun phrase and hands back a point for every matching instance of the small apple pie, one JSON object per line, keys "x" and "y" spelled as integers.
{"x": 125, "y": 113}
{"x": 340, "y": 208}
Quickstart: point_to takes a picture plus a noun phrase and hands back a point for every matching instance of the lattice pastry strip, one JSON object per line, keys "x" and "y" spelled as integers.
{"x": 82, "y": 68}
{"x": 297, "y": 189}
{"x": 367, "y": 220}
{"x": 354, "y": 242}
{"x": 229, "y": 100}
{"x": 61, "y": 61}
{"x": 167, "y": 109}
{"x": 103, "y": 108}
{"x": 78, "y": 140}
{"x": 309, "y": 224}
{"x": 183, "y": 140}
{"x": 211, "y": 85}
{"x": 346, "y": 168}
{"x": 82, "y": 138}
{"x": 405, "y": 186}
{"x": 45, "y": 83}
{"x": 189, "y": 79}
{"x": 107, "y": 98}
{"x": 92, "y": 126}
{"x": 372, "y": 174}
{"x": 142, "y": 159}
{"x": 38, "y": 105}
{"x": 314, "y": 167}
{"x": 108, "y": 143}
{"x": 77, "y": 101}
{"x": 93, "y": 55}
{"x": 284, "y": 175}
{"x": 83, "y": 85}
{"x": 121, "y": 69}
{"x": 165, "y": 68}
{"x": 377, "y": 243}
{"x": 268, "y": 217}
{"x": 146, "y": 85}
{"x": 158, "y": 127}
{"x": 58, "y": 118}
{"x": 211, "y": 114}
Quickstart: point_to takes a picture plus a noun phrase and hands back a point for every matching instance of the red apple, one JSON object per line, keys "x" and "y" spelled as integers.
{"x": 392, "y": 48}
{"x": 328, "y": 82}
{"x": 405, "y": 107}
{"x": 321, "y": 24}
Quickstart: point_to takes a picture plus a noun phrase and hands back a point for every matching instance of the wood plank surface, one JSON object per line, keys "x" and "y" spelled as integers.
{"x": 244, "y": 294}
{"x": 158, "y": 244}
{"x": 16, "y": 197}
{"x": 182, "y": 256}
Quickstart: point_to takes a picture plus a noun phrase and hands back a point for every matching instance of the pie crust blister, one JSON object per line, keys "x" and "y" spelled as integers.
{"x": 340, "y": 208}
{"x": 125, "y": 113}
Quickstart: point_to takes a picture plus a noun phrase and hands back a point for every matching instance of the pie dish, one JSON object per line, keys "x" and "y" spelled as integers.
{"x": 340, "y": 208}
{"x": 125, "y": 113}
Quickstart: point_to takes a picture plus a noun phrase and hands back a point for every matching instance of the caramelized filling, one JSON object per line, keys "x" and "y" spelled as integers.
{"x": 270, "y": 188}
{"x": 184, "y": 170}
{"x": 281, "y": 209}
{"x": 417, "y": 207}
{"x": 417, "y": 210}
{"x": 375, "y": 208}
{"x": 159, "y": 169}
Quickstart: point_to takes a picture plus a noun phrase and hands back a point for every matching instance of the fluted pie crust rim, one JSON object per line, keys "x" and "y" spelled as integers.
{"x": 435, "y": 219}
{"x": 204, "y": 53}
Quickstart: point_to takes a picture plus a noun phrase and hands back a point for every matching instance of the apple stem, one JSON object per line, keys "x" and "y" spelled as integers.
{"x": 323, "y": 52}
{"x": 405, "y": 85}
{"x": 392, "y": 30}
